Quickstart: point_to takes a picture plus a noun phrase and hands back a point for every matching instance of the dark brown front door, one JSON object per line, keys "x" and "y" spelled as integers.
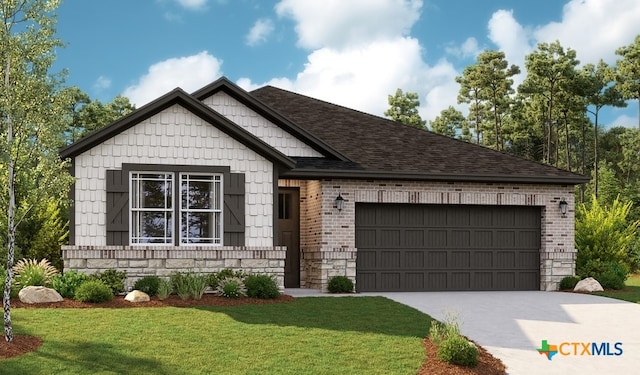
{"x": 289, "y": 234}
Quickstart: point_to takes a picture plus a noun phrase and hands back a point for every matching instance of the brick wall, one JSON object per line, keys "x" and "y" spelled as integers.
{"x": 140, "y": 261}
{"x": 328, "y": 245}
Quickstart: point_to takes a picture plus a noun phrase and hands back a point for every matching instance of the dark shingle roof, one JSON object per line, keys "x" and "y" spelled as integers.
{"x": 381, "y": 148}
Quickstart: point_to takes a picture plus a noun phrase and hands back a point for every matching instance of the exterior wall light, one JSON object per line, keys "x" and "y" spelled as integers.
{"x": 339, "y": 202}
{"x": 563, "y": 206}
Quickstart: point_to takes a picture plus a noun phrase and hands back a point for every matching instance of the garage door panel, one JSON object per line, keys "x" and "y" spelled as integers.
{"x": 447, "y": 247}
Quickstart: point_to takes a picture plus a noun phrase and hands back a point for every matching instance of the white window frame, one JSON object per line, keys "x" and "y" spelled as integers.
{"x": 174, "y": 212}
{"x": 135, "y": 238}
{"x": 216, "y": 209}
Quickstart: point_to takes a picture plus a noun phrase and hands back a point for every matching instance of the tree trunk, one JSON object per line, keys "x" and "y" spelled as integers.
{"x": 11, "y": 209}
{"x": 595, "y": 156}
{"x": 566, "y": 135}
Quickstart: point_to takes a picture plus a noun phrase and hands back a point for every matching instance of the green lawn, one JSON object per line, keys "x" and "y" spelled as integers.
{"x": 630, "y": 293}
{"x": 319, "y": 335}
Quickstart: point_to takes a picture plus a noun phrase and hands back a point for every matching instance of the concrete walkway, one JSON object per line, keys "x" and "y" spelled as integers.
{"x": 512, "y": 325}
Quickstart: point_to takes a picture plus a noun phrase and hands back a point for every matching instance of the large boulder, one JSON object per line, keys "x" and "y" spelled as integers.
{"x": 137, "y": 296}
{"x": 588, "y": 285}
{"x": 39, "y": 294}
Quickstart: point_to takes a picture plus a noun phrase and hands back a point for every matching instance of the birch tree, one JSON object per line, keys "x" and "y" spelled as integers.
{"x": 32, "y": 109}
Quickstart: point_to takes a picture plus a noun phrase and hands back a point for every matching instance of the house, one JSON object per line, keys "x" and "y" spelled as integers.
{"x": 276, "y": 182}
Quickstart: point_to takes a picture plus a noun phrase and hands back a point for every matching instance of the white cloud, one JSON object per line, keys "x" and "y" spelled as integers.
{"x": 193, "y": 4}
{"x": 102, "y": 83}
{"x": 338, "y": 24}
{"x": 510, "y": 37}
{"x": 362, "y": 78}
{"x": 594, "y": 28}
{"x": 469, "y": 48}
{"x": 188, "y": 73}
{"x": 625, "y": 120}
{"x": 260, "y": 31}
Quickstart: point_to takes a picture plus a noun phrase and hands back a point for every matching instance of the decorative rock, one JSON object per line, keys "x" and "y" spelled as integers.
{"x": 39, "y": 294}
{"x": 137, "y": 296}
{"x": 588, "y": 285}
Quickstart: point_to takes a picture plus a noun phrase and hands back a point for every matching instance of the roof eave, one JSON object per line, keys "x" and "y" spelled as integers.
{"x": 415, "y": 176}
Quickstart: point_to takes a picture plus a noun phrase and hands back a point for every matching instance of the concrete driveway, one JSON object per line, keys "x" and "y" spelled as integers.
{"x": 512, "y": 325}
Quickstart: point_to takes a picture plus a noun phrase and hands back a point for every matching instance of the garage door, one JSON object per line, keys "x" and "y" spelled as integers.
{"x": 410, "y": 247}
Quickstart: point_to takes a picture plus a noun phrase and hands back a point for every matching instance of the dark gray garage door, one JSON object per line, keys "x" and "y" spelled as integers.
{"x": 411, "y": 247}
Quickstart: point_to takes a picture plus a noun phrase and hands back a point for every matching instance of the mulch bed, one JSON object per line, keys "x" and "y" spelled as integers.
{"x": 22, "y": 344}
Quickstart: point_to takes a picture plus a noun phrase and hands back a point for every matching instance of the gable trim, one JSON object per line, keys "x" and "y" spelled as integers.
{"x": 236, "y": 92}
{"x": 178, "y": 96}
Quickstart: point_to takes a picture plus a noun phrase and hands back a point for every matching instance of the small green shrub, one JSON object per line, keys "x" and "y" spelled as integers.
{"x": 232, "y": 287}
{"x": 165, "y": 288}
{"x": 613, "y": 276}
{"x": 113, "y": 279}
{"x": 214, "y": 278}
{"x": 181, "y": 284}
{"x": 29, "y": 272}
{"x": 261, "y": 286}
{"x": 340, "y": 284}
{"x": 458, "y": 350}
{"x": 93, "y": 291}
{"x": 197, "y": 285}
{"x": 148, "y": 284}
{"x": 67, "y": 283}
{"x": 569, "y": 282}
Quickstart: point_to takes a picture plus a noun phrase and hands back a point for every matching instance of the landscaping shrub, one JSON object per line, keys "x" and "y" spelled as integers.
{"x": 197, "y": 284}
{"x": 165, "y": 288}
{"x": 148, "y": 284}
{"x": 261, "y": 286}
{"x": 613, "y": 276}
{"x": 214, "y": 278}
{"x": 67, "y": 283}
{"x": 180, "y": 283}
{"x": 93, "y": 291}
{"x": 232, "y": 287}
{"x": 113, "y": 279}
{"x": 458, "y": 350}
{"x": 340, "y": 284}
{"x": 569, "y": 282}
{"x": 29, "y": 272}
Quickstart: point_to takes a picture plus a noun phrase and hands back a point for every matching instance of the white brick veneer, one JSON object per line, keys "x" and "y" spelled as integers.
{"x": 275, "y": 136}
{"x": 327, "y": 238}
{"x": 173, "y": 136}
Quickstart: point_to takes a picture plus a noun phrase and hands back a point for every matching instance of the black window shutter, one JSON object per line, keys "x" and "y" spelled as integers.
{"x": 117, "y": 207}
{"x": 234, "y": 209}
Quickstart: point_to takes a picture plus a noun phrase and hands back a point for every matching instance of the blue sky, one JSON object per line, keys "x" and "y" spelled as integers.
{"x": 349, "y": 52}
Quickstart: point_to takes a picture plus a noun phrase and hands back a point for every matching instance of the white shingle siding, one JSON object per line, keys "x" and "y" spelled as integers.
{"x": 275, "y": 136}
{"x": 174, "y": 136}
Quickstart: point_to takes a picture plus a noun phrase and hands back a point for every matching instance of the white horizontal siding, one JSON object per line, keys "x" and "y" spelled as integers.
{"x": 174, "y": 136}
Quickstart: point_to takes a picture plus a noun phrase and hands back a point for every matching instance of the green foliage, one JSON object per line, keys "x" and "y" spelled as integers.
{"x": 29, "y": 272}
{"x": 232, "y": 287}
{"x": 404, "y": 109}
{"x": 613, "y": 276}
{"x": 261, "y": 286}
{"x": 450, "y": 122}
{"x": 67, "y": 283}
{"x": 214, "y": 278}
{"x": 113, "y": 279}
{"x": 458, "y": 350}
{"x": 603, "y": 235}
{"x": 165, "y": 288}
{"x": 181, "y": 284}
{"x": 340, "y": 284}
{"x": 197, "y": 284}
{"x": 569, "y": 282}
{"x": 451, "y": 345}
{"x": 93, "y": 291}
{"x": 148, "y": 284}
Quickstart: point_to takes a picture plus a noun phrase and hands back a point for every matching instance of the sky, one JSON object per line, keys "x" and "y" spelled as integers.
{"x": 349, "y": 52}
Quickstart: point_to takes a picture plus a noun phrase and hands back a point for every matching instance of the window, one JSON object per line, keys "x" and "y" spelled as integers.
{"x": 200, "y": 209}
{"x": 153, "y": 210}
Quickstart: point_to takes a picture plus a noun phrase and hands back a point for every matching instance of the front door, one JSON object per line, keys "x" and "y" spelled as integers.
{"x": 289, "y": 234}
